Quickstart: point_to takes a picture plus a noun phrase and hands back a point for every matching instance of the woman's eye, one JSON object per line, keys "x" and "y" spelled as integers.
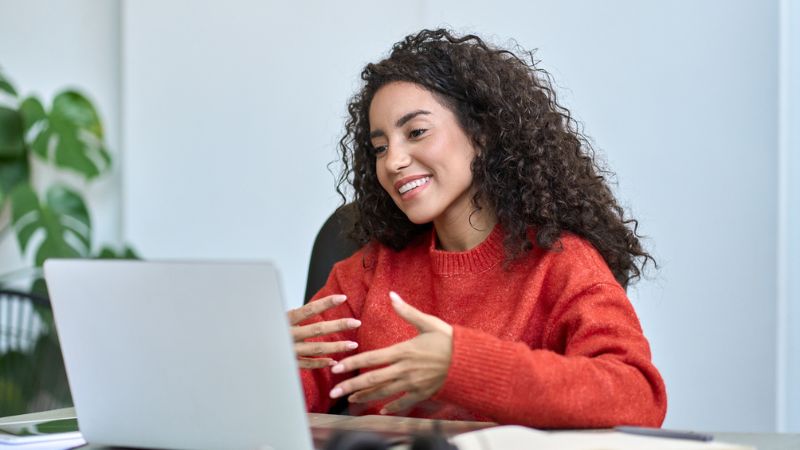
{"x": 417, "y": 133}
{"x": 378, "y": 149}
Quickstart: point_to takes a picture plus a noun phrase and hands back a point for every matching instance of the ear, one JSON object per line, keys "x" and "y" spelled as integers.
{"x": 482, "y": 140}
{"x": 479, "y": 141}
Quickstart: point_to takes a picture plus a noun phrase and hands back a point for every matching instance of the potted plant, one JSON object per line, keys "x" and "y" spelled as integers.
{"x": 53, "y": 222}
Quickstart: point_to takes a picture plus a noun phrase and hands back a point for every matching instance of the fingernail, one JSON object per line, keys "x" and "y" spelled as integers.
{"x": 395, "y": 298}
{"x": 339, "y": 299}
{"x": 384, "y": 411}
{"x": 333, "y": 363}
{"x": 336, "y": 392}
{"x": 352, "y": 345}
{"x": 338, "y": 368}
{"x": 352, "y": 323}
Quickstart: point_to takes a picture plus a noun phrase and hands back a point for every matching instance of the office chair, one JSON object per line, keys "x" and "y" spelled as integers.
{"x": 331, "y": 245}
{"x": 32, "y": 375}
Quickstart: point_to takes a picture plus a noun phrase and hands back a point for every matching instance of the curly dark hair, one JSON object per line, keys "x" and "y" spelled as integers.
{"x": 533, "y": 168}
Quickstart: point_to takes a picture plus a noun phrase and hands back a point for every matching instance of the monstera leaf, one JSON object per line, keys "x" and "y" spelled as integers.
{"x": 62, "y": 217}
{"x": 6, "y": 86}
{"x": 13, "y": 171}
{"x": 108, "y": 252}
{"x": 11, "y": 136}
{"x": 13, "y": 154}
{"x": 32, "y": 112}
{"x": 71, "y": 135}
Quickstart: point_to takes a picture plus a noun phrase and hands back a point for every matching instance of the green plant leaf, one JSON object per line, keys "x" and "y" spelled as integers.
{"x": 14, "y": 401}
{"x": 74, "y": 132}
{"x": 25, "y": 203}
{"x": 130, "y": 253}
{"x": 63, "y": 218}
{"x": 12, "y": 144}
{"x": 32, "y": 111}
{"x": 108, "y": 252}
{"x": 6, "y": 85}
{"x": 13, "y": 159}
{"x": 52, "y": 377}
{"x": 12, "y": 173}
{"x": 39, "y": 286}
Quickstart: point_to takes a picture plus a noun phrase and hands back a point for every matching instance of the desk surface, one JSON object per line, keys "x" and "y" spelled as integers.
{"x": 762, "y": 441}
{"x": 403, "y": 425}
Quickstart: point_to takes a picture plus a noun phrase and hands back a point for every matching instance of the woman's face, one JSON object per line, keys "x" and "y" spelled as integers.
{"x": 423, "y": 156}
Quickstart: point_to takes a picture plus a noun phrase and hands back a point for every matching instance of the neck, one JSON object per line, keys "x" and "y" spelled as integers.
{"x": 465, "y": 230}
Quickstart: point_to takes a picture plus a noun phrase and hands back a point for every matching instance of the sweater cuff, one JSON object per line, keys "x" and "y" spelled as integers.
{"x": 479, "y": 373}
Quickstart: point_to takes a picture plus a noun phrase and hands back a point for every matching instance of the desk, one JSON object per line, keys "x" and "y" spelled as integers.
{"x": 762, "y": 441}
{"x": 326, "y": 423}
{"x": 324, "y": 426}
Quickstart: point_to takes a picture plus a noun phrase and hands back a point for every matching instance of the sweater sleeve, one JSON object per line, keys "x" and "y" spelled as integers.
{"x": 595, "y": 370}
{"x": 343, "y": 279}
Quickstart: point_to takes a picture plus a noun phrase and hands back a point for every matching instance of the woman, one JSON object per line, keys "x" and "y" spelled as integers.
{"x": 491, "y": 282}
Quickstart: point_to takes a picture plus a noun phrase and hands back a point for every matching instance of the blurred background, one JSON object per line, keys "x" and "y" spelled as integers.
{"x": 222, "y": 117}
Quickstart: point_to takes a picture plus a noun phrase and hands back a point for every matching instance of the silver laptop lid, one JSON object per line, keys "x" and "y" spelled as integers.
{"x": 178, "y": 355}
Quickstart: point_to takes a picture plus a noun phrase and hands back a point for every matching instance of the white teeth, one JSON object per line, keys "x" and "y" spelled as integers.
{"x": 413, "y": 184}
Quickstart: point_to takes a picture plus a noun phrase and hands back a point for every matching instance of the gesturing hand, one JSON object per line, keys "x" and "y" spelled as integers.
{"x": 417, "y": 367}
{"x": 306, "y": 350}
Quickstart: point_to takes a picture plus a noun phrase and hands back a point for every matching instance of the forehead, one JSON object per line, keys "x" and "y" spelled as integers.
{"x": 397, "y": 98}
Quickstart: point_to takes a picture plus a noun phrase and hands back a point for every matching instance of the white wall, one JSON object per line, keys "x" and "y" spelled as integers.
{"x": 230, "y": 119}
{"x": 49, "y": 46}
{"x": 789, "y": 216}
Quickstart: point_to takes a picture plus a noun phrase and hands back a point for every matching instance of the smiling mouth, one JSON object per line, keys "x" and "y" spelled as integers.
{"x": 411, "y": 185}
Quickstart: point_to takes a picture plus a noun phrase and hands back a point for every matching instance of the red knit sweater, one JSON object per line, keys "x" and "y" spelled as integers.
{"x": 550, "y": 341}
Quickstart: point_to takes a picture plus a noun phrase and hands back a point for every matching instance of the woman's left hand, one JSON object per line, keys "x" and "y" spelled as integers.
{"x": 417, "y": 367}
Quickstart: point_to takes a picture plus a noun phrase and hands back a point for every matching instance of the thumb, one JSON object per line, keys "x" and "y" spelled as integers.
{"x": 423, "y": 322}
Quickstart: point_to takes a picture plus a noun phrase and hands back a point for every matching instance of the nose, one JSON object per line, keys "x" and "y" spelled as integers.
{"x": 397, "y": 157}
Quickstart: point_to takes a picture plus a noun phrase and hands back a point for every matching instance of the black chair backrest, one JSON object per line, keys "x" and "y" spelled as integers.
{"x": 332, "y": 245}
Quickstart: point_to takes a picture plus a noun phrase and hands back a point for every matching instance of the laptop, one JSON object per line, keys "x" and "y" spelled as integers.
{"x": 178, "y": 355}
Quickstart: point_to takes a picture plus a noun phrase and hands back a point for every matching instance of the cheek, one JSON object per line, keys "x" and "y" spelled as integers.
{"x": 383, "y": 179}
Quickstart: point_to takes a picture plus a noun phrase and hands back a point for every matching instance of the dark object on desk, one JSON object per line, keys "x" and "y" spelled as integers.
{"x": 432, "y": 442}
{"x": 331, "y": 245}
{"x": 365, "y": 440}
{"x": 357, "y": 440}
{"x": 662, "y": 433}
{"x": 32, "y": 375}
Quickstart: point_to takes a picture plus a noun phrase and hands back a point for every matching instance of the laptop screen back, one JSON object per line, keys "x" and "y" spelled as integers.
{"x": 178, "y": 355}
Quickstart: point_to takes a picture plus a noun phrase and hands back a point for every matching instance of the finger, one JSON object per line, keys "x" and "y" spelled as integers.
{"x": 403, "y": 403}
{"x": 323, "y": 348}
{"x": 378, "y": 392}
{"x": 366, "y": 380}
{"x": 300, "y": 333}
{"x": 313, "y": 308}
{"x": 371, "y": 358}
{"x": 423, "y": 322}
{"x": 314, "y": 363}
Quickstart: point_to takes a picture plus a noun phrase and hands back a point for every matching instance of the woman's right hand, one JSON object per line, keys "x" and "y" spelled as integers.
{"x": 309, "y": 353}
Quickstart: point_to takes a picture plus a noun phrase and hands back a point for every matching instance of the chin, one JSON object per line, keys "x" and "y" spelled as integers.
{"x": 418, "y": 217}
{"x": 419, "y": 221}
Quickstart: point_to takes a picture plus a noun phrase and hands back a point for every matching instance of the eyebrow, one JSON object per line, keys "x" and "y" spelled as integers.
{"x": 400, "y": 122}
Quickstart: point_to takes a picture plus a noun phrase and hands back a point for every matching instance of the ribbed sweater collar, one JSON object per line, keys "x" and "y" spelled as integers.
{"x": 484, "y": 256}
